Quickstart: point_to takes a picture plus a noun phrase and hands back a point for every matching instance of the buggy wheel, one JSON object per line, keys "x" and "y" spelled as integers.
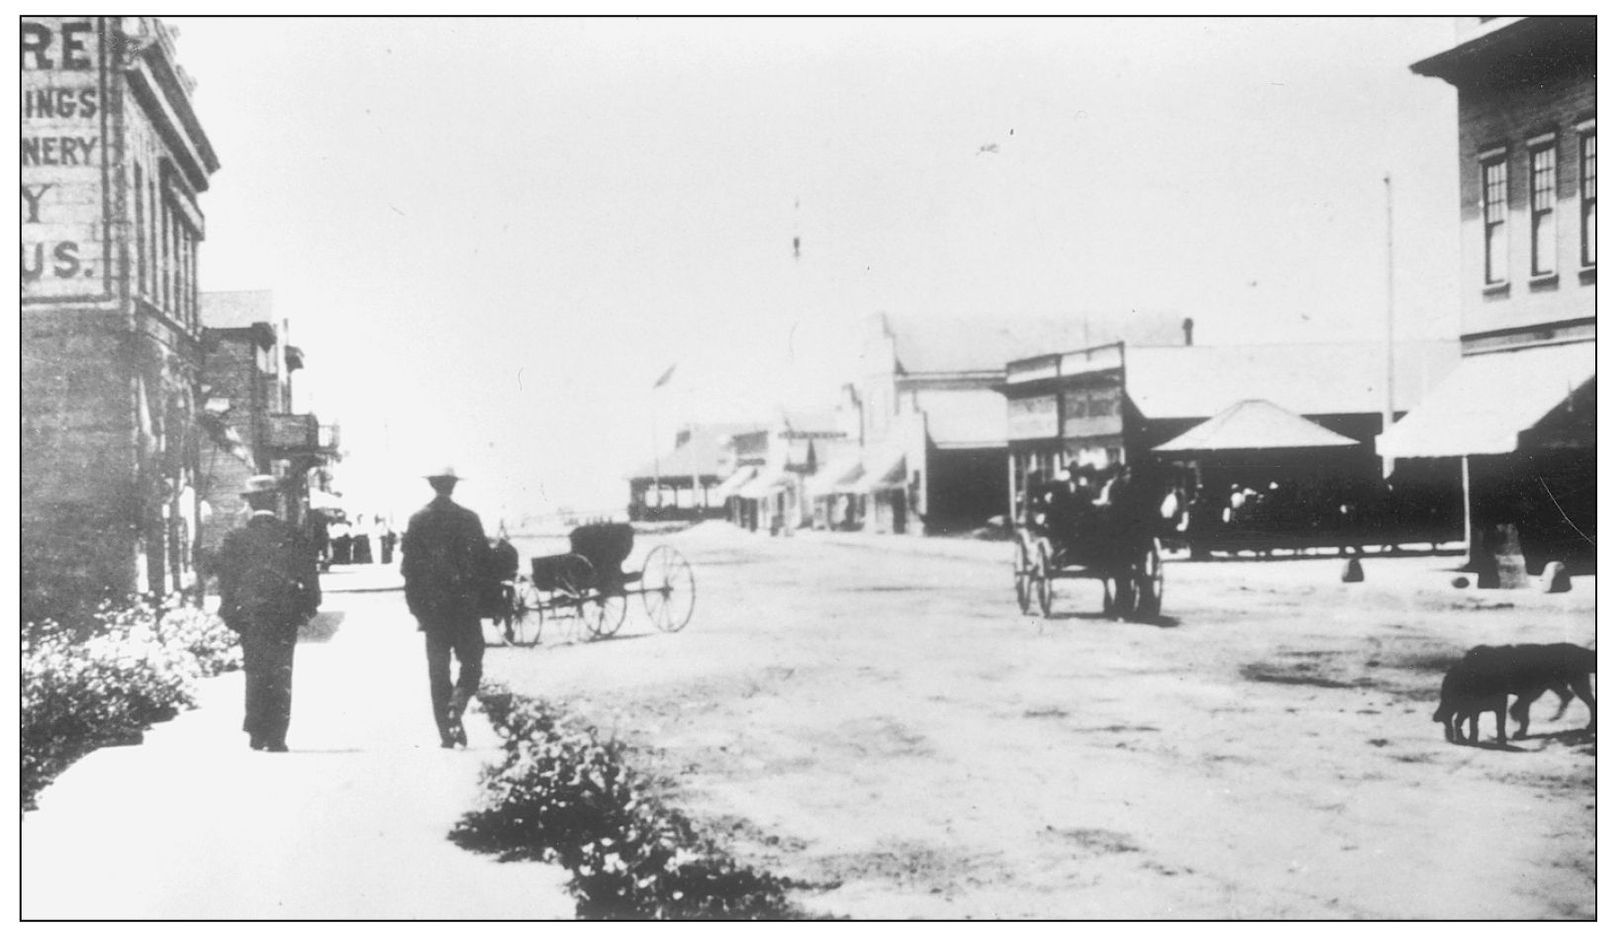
{"x": 668, "y": 591}
{"x": 572, "y": 588}
{"x": 1022, "y": 576}
{"x": 603, "y": 613}
{"x": 1151, "y": 582}
{"x": 523, "y": 627}
{"x": 1042, "y": 580}
{"x": 1120, "y": 594}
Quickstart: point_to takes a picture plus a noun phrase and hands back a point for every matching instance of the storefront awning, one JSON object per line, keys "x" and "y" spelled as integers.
{"x": 734, "y": 482}
{"x": 1254, "y": 425}
{"x": 765, "y": 485}
{"x": 1489, "y": 400}
{"x": 834, "y": 478}
{"x": 321, "y": 499}
{"x": 888, "y": 473}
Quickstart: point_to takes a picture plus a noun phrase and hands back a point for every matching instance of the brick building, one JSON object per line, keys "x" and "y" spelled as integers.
{"x": 248, "y": 416}
{"x": 113, "y": 161}
{"x": 1519, "y": 415}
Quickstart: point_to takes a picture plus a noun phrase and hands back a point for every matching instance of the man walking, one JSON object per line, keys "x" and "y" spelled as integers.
{"x": 445, "y": 563}
{"x": 269, "y": 586}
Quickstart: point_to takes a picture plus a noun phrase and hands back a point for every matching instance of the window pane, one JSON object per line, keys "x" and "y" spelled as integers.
{"x": 1543, "y": 242}
{"x": 1496, "y": 253}
{"x": 1591, "y": 252}
{"x": 140, "y": 232}
{"x": 1493, "y": 191}
{"x": 1589, "y": 164}
{"x": 1543, "y": 184}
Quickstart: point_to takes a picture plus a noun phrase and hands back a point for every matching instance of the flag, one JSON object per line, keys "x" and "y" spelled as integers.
{"x": 665, "y": 377}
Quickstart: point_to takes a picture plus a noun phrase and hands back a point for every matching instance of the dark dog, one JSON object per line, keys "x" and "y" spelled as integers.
{"x": 1489, "y": 675}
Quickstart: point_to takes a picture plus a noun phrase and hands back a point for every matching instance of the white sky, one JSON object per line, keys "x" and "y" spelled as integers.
{"x": 491, "y": 236}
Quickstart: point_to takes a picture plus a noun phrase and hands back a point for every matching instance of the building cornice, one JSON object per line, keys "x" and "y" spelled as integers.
{"x": 1519, "y": 49}
{"x": 164, "y": 90}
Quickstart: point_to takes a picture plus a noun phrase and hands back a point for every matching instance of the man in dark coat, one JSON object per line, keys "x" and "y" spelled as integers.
{"x": 269, "y": 586}
{"x": 446, "y": 565}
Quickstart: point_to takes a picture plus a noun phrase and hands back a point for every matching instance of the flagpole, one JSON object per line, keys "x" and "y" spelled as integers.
{"x": 653, "y": 410}
{"x": 659, "y": 488}
{"x": 1389, "y": 414}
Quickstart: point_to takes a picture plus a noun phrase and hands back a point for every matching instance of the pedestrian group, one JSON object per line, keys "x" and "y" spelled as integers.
{"x": 269, "y": 583}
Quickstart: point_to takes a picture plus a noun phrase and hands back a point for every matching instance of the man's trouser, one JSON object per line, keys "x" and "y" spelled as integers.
{"x": 441, "y": 638}
{"x": 267, "y": 664}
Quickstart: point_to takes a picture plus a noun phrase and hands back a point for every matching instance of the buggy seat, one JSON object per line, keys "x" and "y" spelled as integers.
{"x": 606, "y": 546}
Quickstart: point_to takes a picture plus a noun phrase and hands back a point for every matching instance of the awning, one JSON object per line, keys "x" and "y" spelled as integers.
{"x": 887, "y": 473}
{"x": 321, "y": 499}
{"x": 1489, "y": 400}
{"x": 1254, "y": 425}
{"x": 734, "y": 482}
{"x": 765, "y": 485}
{"x": 832, "y": 478}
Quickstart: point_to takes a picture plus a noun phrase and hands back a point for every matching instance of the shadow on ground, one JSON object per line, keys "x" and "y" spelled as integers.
{"x": 321, "y": 628}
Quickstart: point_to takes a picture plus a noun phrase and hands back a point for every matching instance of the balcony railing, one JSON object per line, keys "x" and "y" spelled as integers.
{"x": 292, "y": 434}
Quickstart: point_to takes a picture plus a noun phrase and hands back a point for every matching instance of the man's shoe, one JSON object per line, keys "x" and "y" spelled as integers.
{"x": 277, "y": 747}
{"x": 256, "y": 743}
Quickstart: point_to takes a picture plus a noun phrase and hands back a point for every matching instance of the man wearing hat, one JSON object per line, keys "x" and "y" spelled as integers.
{"x": 269, "y": 586}
{"x": 445, "y": 562}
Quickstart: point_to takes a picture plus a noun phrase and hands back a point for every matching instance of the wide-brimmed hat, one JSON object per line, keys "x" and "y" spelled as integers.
{"x": 443, "y": 473}
{"x": 260, "y": 483}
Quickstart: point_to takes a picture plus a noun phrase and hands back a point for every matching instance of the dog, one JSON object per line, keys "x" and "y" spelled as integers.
{"x": 1489, "y": 675}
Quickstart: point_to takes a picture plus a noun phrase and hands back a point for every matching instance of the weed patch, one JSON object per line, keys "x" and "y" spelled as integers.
{"x": 564, "y": 796}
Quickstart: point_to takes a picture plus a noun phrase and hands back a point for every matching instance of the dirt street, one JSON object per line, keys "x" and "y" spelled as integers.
{"x": 887, "y": 727}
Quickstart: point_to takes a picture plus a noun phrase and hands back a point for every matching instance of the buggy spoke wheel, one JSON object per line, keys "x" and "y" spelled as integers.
{"x": 525, "y": 625}
{"x": 570, "y": 601}
{"x": 1022, "y": 577}
{"x": 1151, "y": 583}
{"x": 668, "y": 591}
{"x": 1042, "y": 580}
{"x": 604, "y": 613}
{"x": 1124, "y": 595}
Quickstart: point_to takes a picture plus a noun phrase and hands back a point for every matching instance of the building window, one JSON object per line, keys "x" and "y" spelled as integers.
{"x": 1541, "y": 184}
{"x": 1493, "y": 221}
{"x": 154, "y": 243}
{"x": 1586, "y": 170}
{"x": 140, "y": 232}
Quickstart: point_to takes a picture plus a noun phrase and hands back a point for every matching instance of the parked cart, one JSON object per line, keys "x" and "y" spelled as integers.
{"x": 590, "y": 586}
{"x": 1064, "y": 537}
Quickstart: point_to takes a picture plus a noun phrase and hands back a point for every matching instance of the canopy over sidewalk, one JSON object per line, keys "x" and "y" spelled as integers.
{"x": 1486, "y": 404}
{"x": 1254, "y": 425}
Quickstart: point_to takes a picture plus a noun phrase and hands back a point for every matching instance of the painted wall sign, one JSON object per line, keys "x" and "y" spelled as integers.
{"x": 66, "y": 207}
{"x": 1034, "y": 417}
{"x": 1093, "y": 410}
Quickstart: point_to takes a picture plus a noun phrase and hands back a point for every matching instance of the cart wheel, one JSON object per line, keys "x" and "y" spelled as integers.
{"x": 1120, "y": 594}
{"x": 668, "y": 591}
{"x": 603, "y": 613}
{"x": 524, "y": 627}
{"x": 572, "y": 587}
{"x": 1151, "y": 583}
{"x": 1022, "y": 576}
{"x": 1042, "y": 580}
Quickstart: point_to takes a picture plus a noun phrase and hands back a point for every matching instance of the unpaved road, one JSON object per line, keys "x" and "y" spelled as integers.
{"x": 885, "y": 726}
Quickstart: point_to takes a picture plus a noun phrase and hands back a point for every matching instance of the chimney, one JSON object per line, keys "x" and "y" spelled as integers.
{"x": 1188, "y": 332}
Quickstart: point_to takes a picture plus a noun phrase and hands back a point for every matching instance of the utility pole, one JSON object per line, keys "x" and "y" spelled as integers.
{"x": 1389, "y": 414}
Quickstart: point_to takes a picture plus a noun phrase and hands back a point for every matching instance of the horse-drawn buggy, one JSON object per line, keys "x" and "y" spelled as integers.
{"x": 589, "y": 586}
{"x": 1067, "y": 533}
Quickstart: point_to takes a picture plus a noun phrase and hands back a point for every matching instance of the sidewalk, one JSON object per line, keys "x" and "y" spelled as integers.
{"x": 968, "y": 549}
{"x": 1414, "y": 571}
{"x": 351, "y": 824}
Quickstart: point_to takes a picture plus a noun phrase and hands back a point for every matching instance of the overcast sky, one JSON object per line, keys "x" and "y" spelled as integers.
{"x": 491, "y": 236}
